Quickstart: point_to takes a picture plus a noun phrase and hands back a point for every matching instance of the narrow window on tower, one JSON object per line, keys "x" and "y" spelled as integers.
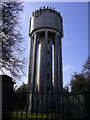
{"x": 48, "y": 63}
{"x": 48, "y": 88}
{"x": 53, "y": 64}
{"x": 48, "y": 51}
{"x": 48, "y": 76}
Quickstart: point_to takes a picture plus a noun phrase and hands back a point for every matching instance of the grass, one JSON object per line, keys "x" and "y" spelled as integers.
{"x": 32, "y": 116}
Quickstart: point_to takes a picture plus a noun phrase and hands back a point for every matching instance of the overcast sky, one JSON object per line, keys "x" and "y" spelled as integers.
{"x": 75, "y": 40}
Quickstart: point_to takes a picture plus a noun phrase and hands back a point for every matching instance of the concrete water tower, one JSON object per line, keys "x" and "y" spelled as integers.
{"x": 46, "y": 32}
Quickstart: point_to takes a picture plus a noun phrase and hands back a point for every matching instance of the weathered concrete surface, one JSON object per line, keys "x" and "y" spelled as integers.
{"x": 46, "y": 19}
{"x": 46, "y": 30}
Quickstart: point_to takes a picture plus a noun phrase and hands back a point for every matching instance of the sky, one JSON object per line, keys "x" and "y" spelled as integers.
{"x": 75, "y": 39}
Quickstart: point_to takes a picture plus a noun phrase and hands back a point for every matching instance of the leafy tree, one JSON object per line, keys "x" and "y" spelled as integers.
{"x": 86, "y": 69}
{"x": 11, "y": 38}
{"x": 81, "y": 81}
{"x": 78, "y": 83}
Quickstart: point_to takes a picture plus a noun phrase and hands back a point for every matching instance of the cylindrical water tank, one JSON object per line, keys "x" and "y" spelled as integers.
{"x": 46, "y": 18}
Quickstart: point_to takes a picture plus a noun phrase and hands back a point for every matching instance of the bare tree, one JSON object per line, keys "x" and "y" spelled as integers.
{"x": 11, "y": 39}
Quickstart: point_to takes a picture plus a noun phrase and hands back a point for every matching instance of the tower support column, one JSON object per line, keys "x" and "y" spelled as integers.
{"x": 45, "y": 71}
{"x": 56, "y": 63}
{"x": 33, "y": 95}
{"x": 29, "y": 96}
{"x": 59, "y": 84}
{"x": 34, "y": 61}
{"x": 45, "y": 62}
{"x": 60, "y": 67}
{"x": 31, "y": 65}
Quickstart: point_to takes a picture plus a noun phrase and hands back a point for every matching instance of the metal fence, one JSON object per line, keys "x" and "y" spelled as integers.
{"x": 51, "y": 106}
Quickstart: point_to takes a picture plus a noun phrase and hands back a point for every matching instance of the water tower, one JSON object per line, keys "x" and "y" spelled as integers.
{"x": 45, "y": 67}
